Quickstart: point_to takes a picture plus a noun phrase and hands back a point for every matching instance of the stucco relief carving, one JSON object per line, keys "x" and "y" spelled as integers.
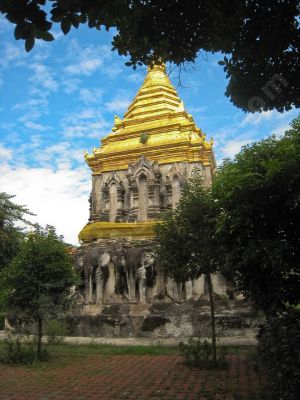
{"x": 144, "y": 186}
{"x": 175, "y": 181}
{"x": 143, "y": 198}
{"x": 134, "y": 276}
{"x": 141, "y": 193}
{"x": 113, "y": 193}
{"x": 113, "y": 202}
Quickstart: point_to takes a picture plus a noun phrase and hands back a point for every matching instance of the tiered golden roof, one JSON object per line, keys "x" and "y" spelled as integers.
{"x": 157, "y": 126}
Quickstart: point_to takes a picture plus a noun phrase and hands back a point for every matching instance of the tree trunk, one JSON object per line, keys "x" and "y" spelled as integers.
{"x": 39, "y": 345}
{"x": 212, "y": 315}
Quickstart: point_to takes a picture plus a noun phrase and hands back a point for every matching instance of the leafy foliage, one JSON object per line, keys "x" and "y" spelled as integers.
{"x": 2, "y": 321}
{"x": 11, "y": 235}
{"x": 20, "y": 350}
{"x": 38, "y": 282}
{"x": 259, "y": 194}
{"x": 260, "y": 38}
{"x": 198, "y": 353}
{"x": 187, "y": 241}
{"x": 280, "y": 348}
{"x": 55, "y": 331}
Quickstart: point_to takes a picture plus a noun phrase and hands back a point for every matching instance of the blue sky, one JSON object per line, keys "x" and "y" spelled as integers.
{"x": 60, "y": 99}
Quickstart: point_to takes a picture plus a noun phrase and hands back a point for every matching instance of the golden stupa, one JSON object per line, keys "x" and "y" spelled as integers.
{"x": 158, "y": 129}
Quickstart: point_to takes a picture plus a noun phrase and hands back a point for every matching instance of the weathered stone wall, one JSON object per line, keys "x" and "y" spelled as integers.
{"x": 165, "y": 320}
{"x": 155, "y": 321}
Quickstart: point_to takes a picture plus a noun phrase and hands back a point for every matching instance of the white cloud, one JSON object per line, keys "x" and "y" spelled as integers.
{"x": 43, "y": 77}
{"x": 113, "y": 70}
{"x": 34, "y": 108}
{"x": 85, "y": 67}
{"x": 71, "y": 85}
{"x": 5, "y": 25}
{"x": 197, "y": 110}
{"x": 5, "y": 153}
{"x": 59, "y": 155}
{"x": 12, "y": 55}
{"x": 39, "y": 103}
{"x": 135, "y": 77}
{"x": 233, "y": 147}
{"x": 257, "y": 118}
{"x": 59, "y": 198}
{"x": 38, "y": 152}
{"x": 87, "y": 122}
{"x": 35, "y": 126}
{"x": 279, "y": 130}
{"x": 57, "y": 34}
{"x": 86, "y": 61}
{"x": 90, "y": 96}
{"x": 7, "y": 125}
{"x": 118, "y": 105}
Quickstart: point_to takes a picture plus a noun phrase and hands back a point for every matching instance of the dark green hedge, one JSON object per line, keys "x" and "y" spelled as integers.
{"x": 2, "y": 318}
{"x": 279, "y": 345}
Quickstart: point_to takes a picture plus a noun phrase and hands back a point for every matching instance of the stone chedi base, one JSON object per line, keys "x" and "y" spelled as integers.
{"x": 127, "y": 294}
{"x": 165, "y": 320}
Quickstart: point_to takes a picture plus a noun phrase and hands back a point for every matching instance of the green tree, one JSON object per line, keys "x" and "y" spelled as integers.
{"x": 11, "y": 235}
{"x": 187, "y": 243}
{"x": 259, "y": 194}
{"x": 260, "y": 38}
{"x": 38, "y": 282}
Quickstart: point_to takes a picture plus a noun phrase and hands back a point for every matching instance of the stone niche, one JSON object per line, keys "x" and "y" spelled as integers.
{"x": 141, "y": 192}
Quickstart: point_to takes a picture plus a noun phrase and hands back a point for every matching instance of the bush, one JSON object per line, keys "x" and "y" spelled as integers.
{"x": 198, "y": 353}
{"x": 55, "y": 331}
{"x": 20, "y": 350}
{"x": 279, "y": 345}
{"x": 2, "y": 321}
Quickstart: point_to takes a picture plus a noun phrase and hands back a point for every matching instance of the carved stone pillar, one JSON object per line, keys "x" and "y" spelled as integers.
{"x": 133, "y": 200}
{"x": 113, "y": 202}
{"x": 143, "y": 198}
{"x": 176, "y": 191}
{"x": 99, "y": 285}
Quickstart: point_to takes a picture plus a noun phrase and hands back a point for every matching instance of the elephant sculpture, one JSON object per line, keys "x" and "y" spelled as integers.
{"x": 140, "y": 272}
{"x": 87, "y": 264}
{"x": 121, "y": 286}
{"x": 131, "y": 275}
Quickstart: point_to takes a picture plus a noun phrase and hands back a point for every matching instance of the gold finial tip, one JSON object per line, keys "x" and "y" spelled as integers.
{"x": 157, "y": 65}
{"x": 117, "y": 119}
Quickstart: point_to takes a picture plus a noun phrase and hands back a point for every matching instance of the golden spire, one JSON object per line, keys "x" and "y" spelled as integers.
{"x": 156, "y": 96}
{"x": 158, "y": 112}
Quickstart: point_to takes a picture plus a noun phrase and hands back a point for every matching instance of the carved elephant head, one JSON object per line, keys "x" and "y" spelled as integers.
{"x": 88, "y": 261}
{"x": 79, "y": 262}
{"x": 133, "y": 259}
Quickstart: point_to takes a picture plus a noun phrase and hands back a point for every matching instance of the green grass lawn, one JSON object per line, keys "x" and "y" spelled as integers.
{"x": 65, "y": 352}
{"x": 110, "y": 350}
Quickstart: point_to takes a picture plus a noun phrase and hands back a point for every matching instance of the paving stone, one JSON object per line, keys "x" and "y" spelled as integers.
{"x": 127, "y": 377}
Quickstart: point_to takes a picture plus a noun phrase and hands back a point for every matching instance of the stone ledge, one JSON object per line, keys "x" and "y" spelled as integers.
{"x": 110, "y": 230}
{"x": 168, "y": 342}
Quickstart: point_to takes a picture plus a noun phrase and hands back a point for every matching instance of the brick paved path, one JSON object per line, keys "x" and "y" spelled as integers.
{"x": 142, "y": 377}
